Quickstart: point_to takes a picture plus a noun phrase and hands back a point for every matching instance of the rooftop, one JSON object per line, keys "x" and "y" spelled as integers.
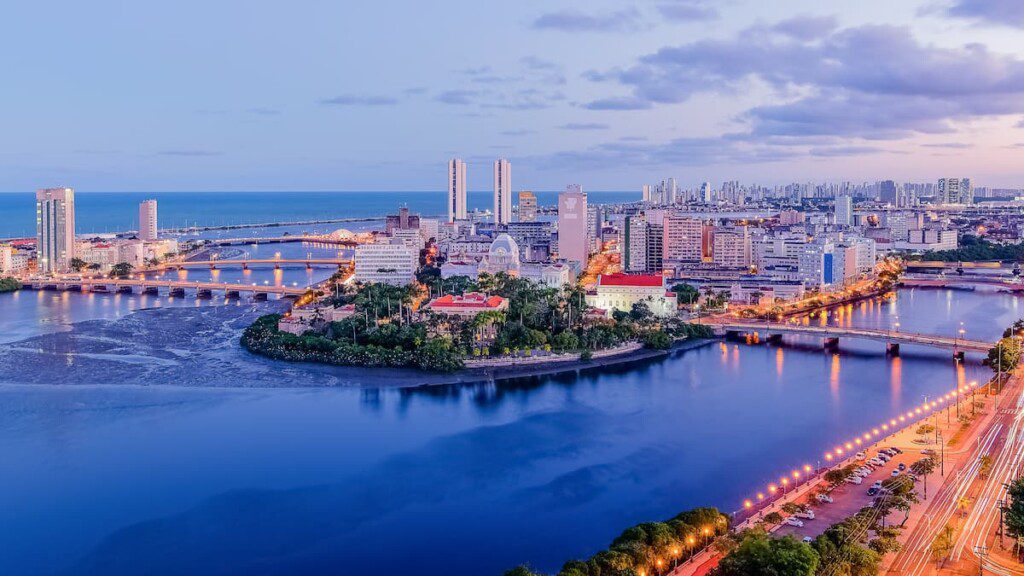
{"x": 638, "y": 280}
{"x": 468, "y": 300}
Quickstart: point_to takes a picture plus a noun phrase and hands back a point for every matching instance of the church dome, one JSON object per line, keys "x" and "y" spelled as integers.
{"x": 504, "y": 245}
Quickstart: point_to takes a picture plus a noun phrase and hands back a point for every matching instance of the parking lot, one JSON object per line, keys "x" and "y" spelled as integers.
{"x": 848, "y": 498}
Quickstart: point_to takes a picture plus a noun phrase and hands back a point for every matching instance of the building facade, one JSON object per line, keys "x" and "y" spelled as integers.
{"x": 456, "y": 190}
{"x": 572, "y": 225}
{"x": 147, "y": 220}
{"x": 502, "y": 191}
{"x": 55, "y": 229}
{"x": 392, "y": 263}
{"x": 622, "y": 291}
{"x": 527, "y": 206}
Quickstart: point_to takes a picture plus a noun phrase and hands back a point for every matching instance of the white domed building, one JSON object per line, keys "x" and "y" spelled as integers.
{"x": 503, "y": 256}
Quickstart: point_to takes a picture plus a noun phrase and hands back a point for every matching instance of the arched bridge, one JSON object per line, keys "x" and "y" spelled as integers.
{"x": 173, "y": 287}
{"x": 832, "y": 334}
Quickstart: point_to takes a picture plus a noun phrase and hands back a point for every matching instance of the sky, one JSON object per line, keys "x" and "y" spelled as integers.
{"x": 377, "y": 96}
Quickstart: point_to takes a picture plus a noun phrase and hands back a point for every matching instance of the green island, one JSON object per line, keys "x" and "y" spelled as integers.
{"x": 9, "y": 285}
{"x": 388, "y": 327}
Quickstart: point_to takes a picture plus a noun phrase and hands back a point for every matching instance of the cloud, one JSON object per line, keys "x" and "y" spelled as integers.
{"x": 360, "y": 100}
{"x": 576, "y": 21}
{"x": 457, "y": 97}
{"x": 687, "y": 11}
{"x": 517, "y": 132}
{"x": 806, "y": 28}
{"x": 415, "y": 90}
{"x": 190, "y": 152}
{"x": 951, "y": 145}
{"x": 584, "y": 126}
{"x": 841, "y": 151}
{"x": 537, "y": 63}
{"x": 873, "y": 81}
{"x": 998, "y": 12}
{"x": 618, "y": 103}
{"x": 262, "y": 111}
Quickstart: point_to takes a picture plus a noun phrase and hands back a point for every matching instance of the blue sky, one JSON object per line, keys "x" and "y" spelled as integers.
{"x": 319, "y": 95}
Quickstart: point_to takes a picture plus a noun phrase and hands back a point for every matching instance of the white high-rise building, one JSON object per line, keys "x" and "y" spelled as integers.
{"x": 392, "y": 263}
{"x": 706, "y": 192}
{"x": 55, "y": 229}
{"x": 844, "y": 211}
{"x": 955, "y": 191}
{"x": 147, "y": 220}
{"x": 6, "y": 259}
{"x": 572, "y": 225}
{"x": 646, "y": 193}
{"x": 456, "y": 190}
{"x": 502, "y": 191}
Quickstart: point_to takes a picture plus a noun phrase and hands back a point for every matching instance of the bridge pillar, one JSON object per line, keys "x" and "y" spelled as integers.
{"x": 892, "y": 348}
{"x": 178, "y": 292}
{"x": 774, "y": 338}
{"x": 831, "y": 343}
{"x": 958, "y": 355}
{"x": 124, "y": 289}
{"x": 204, "y": 294}
{"x": 260, "y": 296}
{"x": 277, "y": 266}
{"x": 245, "y": 265}
{"x": 232, "y": 295}
{"x": 151, "y": 290}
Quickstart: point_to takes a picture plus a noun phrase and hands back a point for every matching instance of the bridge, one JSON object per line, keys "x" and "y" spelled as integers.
{"x": 954, "y": 281}
{"x": 940, "y": 265}
{"x": 172, "y": 287}
{"x": 246, "y": 262}
{"x": 831, "y": 335}
{"x": 282, "y": 240}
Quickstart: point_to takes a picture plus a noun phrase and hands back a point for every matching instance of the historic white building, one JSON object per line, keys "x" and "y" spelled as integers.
{"x": 622, "y": 291}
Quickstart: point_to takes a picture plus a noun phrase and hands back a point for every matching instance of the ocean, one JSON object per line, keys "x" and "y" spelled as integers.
{"x": 99, "y": 212}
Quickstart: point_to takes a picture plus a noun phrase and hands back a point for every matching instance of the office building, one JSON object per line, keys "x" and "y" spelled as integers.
{"x": 147, "y": 220}
{"x": 392, "y": 263}
{"x": 502, "y": 191}
{"x": 572, "y": 225}
{"x": 456, "y": 190}
{"x": 527, "y": 206}
{"x": 634, "y": 244}
{"x": 55, "y": 229}
{"x": 6, "y": 259}
{"x": 645, "y": 193}
{"x": 731, "y": 247}
{"x": 888, "y": 193}
{"x": 682, "y": 240}
{"x": 401, "y": 221}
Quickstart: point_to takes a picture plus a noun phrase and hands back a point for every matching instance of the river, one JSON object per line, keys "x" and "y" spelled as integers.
{"x": 147, "y": 442}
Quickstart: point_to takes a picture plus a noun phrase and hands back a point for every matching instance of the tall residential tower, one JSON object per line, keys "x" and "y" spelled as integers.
{"x": 572, "y": 225}
{"x": 147, "y": 220}
{"x": 502, "y": 191}
{"x": 55, "y": 229}
{"x": 456, "y": 190}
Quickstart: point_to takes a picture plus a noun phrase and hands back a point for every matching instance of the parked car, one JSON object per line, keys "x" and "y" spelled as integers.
{"x": 805, "y": 514}
{"x": 877, "y": 484}
{"x": 884, "y": 457}
{"x": 928, "y": 452}
{"x": 861, "y": 455}
{"x": 901, "y": 467}
{"x": 793, "y": 522}
{"x": 872, "y": 491}
{"x": 895, "y": 473}
{"x": 875, "y": 462}
{"x": 855, "y": 480}
{"x": 896, "y": 450}
{"x": 808, "y": 539}
{"x": 824, "y": 498}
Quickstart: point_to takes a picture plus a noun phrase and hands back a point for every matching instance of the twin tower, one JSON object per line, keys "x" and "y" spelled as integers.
{"x": 502, "y": 190}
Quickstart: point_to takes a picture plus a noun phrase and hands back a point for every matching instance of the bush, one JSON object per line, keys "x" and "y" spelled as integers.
{"x": 9, "y": 285}
{"x": 657, "y": 340}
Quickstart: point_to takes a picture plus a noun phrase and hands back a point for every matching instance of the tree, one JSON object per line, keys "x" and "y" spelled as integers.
{"x": 942, "y": 544}
{"x": 521, "y": 570}
{"x": 760, "y": 554}
{"x": 77, "y": 264}
{"x": 773, "y": 518}
{"x": 986, "y": 467}
{"x": 640, "y": 312}
{"x": 121, "y": 270}
{"x": 922, "y": 468}
{"x": 1013, "y": 514}
{"x": 9, "y": 285}
{"x": 685, "y": 294}
{"x": 657, "y": 340}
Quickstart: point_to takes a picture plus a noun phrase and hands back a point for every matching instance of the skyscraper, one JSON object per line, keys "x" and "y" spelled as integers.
{"x": 844, "y": 211}
{"x": 888, "y": 192}
{"x": 147, "y": 220}
{"x": 55, "y": 229}
{"x": 527, "y": 206}
{"x": 502, "y": 191}
{"x": 572, "y": 225}
{"x": 955, "y": 191}
{"x": 456, "y": 190}
{"x": 646, "y": 193}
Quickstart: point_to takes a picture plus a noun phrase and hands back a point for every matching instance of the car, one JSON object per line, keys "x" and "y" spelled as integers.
{"x": 901, "y": 467}
{"x": 928, "y": 452}
{"x": 890, "y": 451}
{"x": 861, "y": 455}
{"x": 793, "y": 522}
{"x": 872, "y": 491}
{"x": 896, "y": 450}
{"x": 875, "y": 462}
{"x": 824, "y": 498}
{"x": 877, "y": 484}
{"x": 860, "y": 472}
{"x": 895, "y": 473}
{"x": 855, "y": 480}
{"x": 884, "y": 457}
{"x": 808, "y": 539}
{"x": 805, "y": 514}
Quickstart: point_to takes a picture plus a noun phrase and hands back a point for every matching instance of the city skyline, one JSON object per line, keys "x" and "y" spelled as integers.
{"x": 608, "y": 94}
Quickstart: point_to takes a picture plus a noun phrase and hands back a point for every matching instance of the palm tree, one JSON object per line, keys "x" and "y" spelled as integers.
{"x": 922, "y": 468}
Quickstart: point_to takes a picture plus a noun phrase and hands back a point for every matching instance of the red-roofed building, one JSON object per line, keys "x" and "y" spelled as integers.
{"x": 469, "y": 304}
{"x": 622, "y": 291}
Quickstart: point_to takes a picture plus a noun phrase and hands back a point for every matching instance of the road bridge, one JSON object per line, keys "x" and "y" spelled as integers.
{"x": 173, "y": 287}
{"x": 832, "y": 334}
{"x": 246, "y": 262}
{"x": 955, "y": 281}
